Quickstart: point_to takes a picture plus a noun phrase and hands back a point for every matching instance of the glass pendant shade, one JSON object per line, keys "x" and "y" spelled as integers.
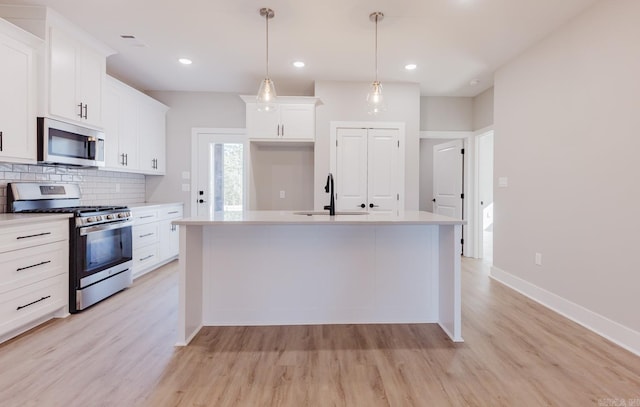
{"x": 375, "y": 99}
{"x": 266, "y": 96}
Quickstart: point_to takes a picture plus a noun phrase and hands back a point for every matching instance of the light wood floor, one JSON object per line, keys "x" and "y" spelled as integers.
{"x": 121, "y": 353}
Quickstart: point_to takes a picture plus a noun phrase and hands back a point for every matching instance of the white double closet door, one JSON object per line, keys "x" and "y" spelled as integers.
{"x": 368, "y": 169}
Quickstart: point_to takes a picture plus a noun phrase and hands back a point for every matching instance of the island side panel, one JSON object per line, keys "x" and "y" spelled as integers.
{"x": 190, "y": 271}
{"x": 450, "y": 249}
{"x": 318, "y": 274}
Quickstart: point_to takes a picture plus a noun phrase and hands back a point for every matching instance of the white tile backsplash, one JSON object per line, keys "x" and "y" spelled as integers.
{"x": 98, "y": 187}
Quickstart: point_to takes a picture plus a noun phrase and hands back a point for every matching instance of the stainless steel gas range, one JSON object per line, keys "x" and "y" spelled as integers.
{"x": 100, "y": 244}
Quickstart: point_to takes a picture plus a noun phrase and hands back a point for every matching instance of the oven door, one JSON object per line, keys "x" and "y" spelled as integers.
{"x": 101, "y": 251}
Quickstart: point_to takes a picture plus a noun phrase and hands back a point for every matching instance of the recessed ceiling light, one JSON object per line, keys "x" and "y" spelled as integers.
{"x": 298, "y": 64}
{"x": 185, "y": 61}
{"x": 410, "y": 67}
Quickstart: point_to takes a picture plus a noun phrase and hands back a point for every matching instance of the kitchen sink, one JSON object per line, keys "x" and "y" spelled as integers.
{"x": 311, "y": 213}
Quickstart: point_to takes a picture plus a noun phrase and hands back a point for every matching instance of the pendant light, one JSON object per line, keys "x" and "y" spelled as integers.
{"x": 265, "y": 101}
{"x": 375, "y": 99}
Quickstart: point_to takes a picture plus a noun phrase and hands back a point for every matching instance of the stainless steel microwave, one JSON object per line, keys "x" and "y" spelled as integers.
{"x": 66, "y": 143}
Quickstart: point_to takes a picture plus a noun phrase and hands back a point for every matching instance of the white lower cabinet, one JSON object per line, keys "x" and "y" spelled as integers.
{"x": 34, "y": 273}
{"x": 155, "y": 239}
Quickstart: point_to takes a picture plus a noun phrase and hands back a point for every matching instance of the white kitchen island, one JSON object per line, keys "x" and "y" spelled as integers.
{"x": 282, "y": 268}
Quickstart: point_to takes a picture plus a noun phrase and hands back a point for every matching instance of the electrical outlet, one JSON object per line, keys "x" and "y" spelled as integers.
{"x": 538, "y": 259}
{"x": 186, "y": 187}
{"x": 282, "y": 194}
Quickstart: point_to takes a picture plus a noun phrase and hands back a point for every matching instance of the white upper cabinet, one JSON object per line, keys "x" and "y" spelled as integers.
{"x": 76, "y": 79}
{"x": 293, "y": 120}
{"x": 17, "y": 95}
{"x": 134, "y": 129}
{"x": 72, "y": 67}
{"x": 152, "y": 136}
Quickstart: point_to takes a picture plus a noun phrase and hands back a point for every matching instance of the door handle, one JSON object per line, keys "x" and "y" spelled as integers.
{"x": 373, "y": 206}
{"x": 433, "y": 200}
{"x": 481, "y": 202}
{"x": 363, "y": 205}
{"x": 201, "y": 201}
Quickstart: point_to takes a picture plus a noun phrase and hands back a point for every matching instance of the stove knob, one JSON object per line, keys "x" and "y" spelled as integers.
{"x": 110, "y": 216}
{"x": 91, "y": 219}
{"x": 122, "y": 215}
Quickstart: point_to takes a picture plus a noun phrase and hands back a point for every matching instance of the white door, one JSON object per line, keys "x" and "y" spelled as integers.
{"x": 220, "y": 177}
{"x": 367, "y": 169}
{"x": 383, "y": 149}
{"x": 447, "y": 178}
{"x": 351, "y": 170}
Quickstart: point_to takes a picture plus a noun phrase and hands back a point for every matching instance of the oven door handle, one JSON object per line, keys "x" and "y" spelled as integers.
{"x": 105, "y": 226}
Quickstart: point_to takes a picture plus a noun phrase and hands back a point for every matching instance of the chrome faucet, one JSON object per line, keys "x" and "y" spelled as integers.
{"x": 329, "y": 188}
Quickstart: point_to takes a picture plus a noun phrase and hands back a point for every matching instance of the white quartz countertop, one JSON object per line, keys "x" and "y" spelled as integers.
{"x": 319, "y": 217}
{"x": 7, "y": 219}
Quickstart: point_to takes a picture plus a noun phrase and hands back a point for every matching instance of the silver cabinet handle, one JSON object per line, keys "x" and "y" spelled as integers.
{"x": 80, "y": 114}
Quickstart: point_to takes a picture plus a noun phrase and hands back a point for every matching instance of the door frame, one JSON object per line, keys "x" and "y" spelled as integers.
{"x": 477, "y": 212}
{"x": 400, "y": 126}
{"x": 223, "y": 135}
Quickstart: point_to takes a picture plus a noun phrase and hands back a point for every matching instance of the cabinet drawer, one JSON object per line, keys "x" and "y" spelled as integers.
{"x": 173, "y": 212}
{"x": 27, "y": 235}
{"x": 145, "y": 257}
{"x": 144, "y": 216}
{"x": 28, "y": 303}
{"x": 27, "y": 266}
{"x": 144, "y": 235}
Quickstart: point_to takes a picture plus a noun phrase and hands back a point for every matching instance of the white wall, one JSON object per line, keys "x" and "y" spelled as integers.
{"x": 346, "y": 101}
{"x": 189, "y": 110}
{"x": 280, "y": 167}
{"x": 446, "y": 113}
{"x": 483, "y": 110}
{"x": 567, "y": 136}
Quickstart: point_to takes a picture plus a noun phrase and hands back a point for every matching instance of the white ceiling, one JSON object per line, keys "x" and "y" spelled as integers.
{"x": 451, "y": 41}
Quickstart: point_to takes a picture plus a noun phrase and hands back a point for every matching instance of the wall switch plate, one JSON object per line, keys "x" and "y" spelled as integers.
{"x": 538, "y": 259}
{"x": 186, "y": 175}
{"x": 503, "y": 182}
{"x": 186, "y": 187}
{"x": 282, "y": 194}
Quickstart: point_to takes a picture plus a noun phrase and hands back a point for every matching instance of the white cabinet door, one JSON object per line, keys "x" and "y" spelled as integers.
{"x": 298, "y": 121}
{"x": 351, "y": 170}
{"x": 152, "y": 135}
{"x": 17, "y": 102}
{"x": 90, "y": 84}
{"x": 368, "y": 169}
{"x": 262, "y": 125}
{"x": 111, "y": 127}
{"x": 169, "y": 240}
{"x": 62, "y": 78}
{"x": 382, "y": 177}
{"x": 76, "y": 79}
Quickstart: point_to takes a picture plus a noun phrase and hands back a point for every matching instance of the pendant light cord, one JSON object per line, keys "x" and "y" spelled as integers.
{"x": 376, "y": 48}
{"x": 267, "y": 36}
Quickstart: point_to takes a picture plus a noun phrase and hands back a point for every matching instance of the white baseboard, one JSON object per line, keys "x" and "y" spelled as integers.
{"x": 611, "y": 330}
